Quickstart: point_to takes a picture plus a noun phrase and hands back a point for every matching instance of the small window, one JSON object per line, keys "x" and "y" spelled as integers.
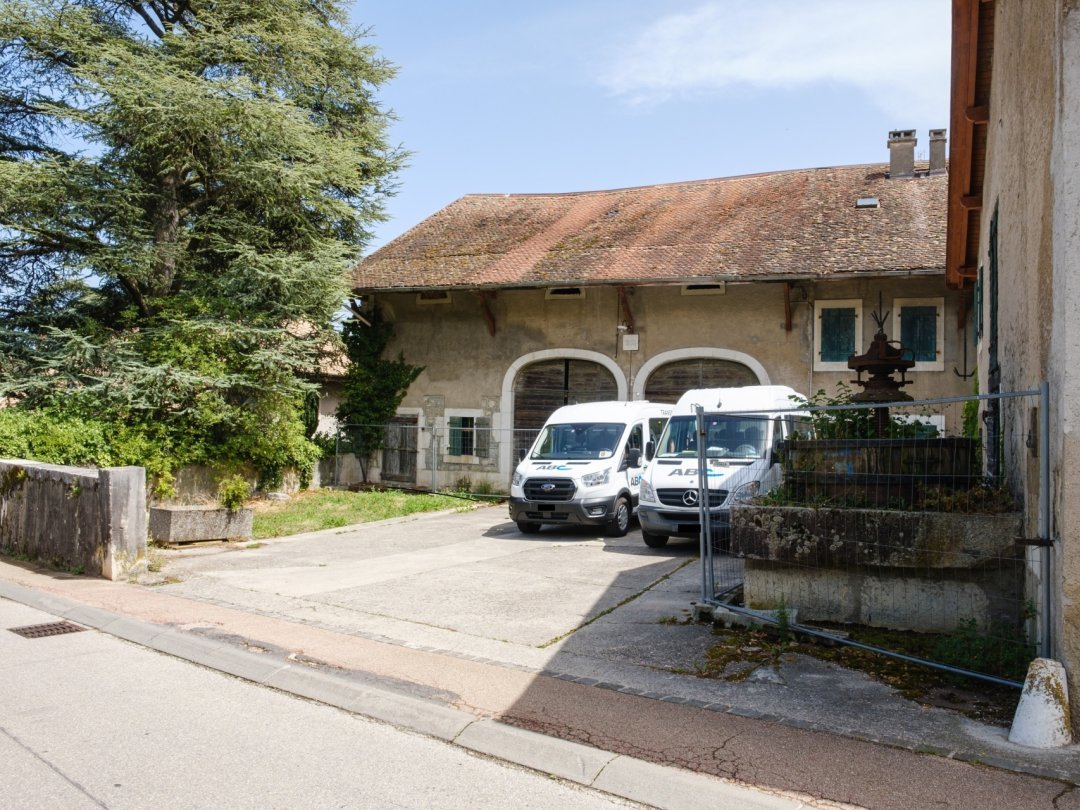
{"x": 917, "y": 324}
{"x": 716, "y": 288}
{"x": 469, "y": 436}
{"x": 433, "y": 297}
{"x": 565, "y": 292}
{"x": 837, "y": 332}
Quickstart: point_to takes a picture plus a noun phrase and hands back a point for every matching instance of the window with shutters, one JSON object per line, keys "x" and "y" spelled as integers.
{"x": 918, "y": 323}
{"x": 469, "y": 436}
{"x": 837, "y": 333}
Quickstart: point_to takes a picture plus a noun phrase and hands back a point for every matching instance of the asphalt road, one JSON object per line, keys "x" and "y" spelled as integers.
{"x": 89, "y": 721}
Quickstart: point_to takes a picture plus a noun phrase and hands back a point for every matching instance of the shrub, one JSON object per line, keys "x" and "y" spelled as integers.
{"x": 232, "y": 491}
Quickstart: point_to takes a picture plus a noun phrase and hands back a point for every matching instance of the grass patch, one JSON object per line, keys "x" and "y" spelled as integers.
{"x": 331, "y": 509}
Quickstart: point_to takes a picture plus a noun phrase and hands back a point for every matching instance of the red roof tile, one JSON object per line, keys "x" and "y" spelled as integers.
{"x": 801, "y": 223}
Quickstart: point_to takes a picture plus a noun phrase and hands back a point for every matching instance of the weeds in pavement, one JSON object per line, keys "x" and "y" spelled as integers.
{"x": 738, "y": 651}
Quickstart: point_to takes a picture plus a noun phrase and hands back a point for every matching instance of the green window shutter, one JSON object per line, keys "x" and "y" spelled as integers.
{"x": 483, "y": 437}
{"x": 837, "y": 334}
{"x": 978, "y": 306}
{"x": 918, "y": 332}
{"x": 456, "y": 435}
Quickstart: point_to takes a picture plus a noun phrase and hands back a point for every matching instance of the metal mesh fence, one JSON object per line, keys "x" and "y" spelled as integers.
{"x": 464, "y": 455}
{"x": 882, "y": 528}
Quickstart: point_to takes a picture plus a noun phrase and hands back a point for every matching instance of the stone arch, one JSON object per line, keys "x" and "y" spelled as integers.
{"x": 698, "y": 353}
{"x": 506, "y": 404}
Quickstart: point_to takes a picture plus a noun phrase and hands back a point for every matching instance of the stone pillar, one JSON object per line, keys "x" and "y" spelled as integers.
{"x": 123, "y": 517}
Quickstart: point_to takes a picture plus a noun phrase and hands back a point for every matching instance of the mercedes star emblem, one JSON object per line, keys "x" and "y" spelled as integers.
{"x": 690, "y": 497}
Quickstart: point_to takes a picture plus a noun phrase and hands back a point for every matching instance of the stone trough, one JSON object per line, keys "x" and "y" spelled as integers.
{"x": 190, "y": 524}
{"x": 924, "y": 571}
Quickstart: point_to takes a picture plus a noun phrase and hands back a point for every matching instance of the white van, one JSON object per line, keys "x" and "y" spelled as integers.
{"x": 585, "y": 466}
{"x": 742, "y": 429}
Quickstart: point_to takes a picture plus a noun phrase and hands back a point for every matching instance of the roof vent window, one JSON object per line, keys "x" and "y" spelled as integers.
{"x": 433, "y": 297}
{"x": 867, "y": 202}
{"x": 565, "y": 292}
{"x": 715, "y": 288}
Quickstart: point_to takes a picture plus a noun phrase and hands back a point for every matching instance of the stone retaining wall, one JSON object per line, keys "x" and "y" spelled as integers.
{"x": 87, "y": 520}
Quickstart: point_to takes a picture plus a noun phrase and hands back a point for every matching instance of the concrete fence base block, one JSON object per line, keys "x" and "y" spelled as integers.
{"x": 1042, "y": 717}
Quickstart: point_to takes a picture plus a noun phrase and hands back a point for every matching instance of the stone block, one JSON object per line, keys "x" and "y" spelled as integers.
{"x": 188, "y": 524}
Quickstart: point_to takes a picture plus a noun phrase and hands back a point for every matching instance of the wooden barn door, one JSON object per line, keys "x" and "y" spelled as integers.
{"x": 542, "y": 387}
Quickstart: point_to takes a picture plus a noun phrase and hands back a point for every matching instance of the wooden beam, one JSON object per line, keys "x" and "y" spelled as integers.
{"x": 787, "y": 306}
{"x": 978, "y": 114}
{"x": 965, "y": 46}
{"x": 971, "y": 202}
{"x": 485, "y": 297}
{"x": 624, "y": 304}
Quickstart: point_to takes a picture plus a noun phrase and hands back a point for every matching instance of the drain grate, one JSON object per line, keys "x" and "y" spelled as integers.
{"x": 45, "y": 630}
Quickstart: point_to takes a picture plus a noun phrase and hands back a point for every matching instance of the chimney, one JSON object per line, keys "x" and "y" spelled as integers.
{"x": 937, "y": 151}
{"x": 901, "y": 153}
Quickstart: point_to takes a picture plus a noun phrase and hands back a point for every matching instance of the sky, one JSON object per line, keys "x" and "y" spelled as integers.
{"x": 520, "y": 96}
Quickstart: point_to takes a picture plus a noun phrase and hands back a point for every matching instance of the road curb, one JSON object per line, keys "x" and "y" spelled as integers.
{"x": 660, "y": 786}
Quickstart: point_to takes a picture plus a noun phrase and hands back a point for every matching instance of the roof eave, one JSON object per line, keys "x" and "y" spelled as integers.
{"x": 666, "y": 282}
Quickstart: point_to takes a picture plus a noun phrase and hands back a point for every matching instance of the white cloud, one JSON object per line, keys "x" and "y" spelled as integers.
{"x": 898, "y": 53}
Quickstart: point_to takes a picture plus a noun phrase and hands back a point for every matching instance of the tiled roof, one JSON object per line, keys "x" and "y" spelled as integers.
{"x": 790, "y": 224}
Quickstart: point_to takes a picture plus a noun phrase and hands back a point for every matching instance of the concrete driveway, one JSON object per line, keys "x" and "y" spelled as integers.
{"x": 467, "y": 583}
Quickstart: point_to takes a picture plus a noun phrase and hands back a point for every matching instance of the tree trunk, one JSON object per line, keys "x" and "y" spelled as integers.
{"x": 166, "y": 229}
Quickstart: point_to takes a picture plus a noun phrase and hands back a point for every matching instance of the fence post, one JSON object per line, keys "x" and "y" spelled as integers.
{"x": 708, "y": 580}
{"x": 337, "y": 456}
{"x": 434, "y": 460}
{"x": 1045, "y": 515}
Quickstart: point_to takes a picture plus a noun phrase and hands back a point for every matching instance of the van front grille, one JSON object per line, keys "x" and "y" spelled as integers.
{"x": 549, "y": 489}
{"x": 682, "y": 497}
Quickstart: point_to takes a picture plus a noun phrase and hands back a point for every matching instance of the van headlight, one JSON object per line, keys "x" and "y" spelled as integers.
{"x": 597, "y": 478}
{"x": 746, "y": 493}
{"x": 517, "y": 480}
{"x": 646, "y": 492}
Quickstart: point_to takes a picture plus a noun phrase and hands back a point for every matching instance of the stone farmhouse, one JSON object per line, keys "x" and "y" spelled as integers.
{"x": 515, "y": 304}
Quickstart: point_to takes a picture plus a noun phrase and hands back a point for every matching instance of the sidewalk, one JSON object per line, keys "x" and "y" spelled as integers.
{"x": 90, "y": 721}
{"x": 432, "y": 693}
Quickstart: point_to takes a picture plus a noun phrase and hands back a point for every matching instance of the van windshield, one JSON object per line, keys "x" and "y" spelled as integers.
{"x": 734, "y": 437}
{"x": 580, "y": 440}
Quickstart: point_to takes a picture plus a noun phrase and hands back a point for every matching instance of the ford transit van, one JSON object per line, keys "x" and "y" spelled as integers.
{"x": 585, "y": 466}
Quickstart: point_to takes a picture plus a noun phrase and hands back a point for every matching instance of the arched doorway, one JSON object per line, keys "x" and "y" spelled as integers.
{"x": 671, "y": 380}
{"x": 543, "y": 386}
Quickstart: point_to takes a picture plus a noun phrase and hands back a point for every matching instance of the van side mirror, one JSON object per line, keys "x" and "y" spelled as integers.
{"x": 650, "y": 450}
{"x": 633, "y": 457}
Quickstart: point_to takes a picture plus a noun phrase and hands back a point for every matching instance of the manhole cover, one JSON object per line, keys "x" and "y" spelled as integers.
{"x": 43, "y": 630}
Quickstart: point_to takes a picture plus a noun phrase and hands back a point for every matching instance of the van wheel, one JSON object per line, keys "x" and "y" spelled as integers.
{"x": 654, "y": 540}
{"x": 620, "y": 521}
{"x": 528, "y": 527}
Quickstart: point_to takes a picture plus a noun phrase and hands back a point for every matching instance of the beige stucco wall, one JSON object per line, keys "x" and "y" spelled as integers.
{"x": 466, "y": 368}
{"x": 1033, "y": 180}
